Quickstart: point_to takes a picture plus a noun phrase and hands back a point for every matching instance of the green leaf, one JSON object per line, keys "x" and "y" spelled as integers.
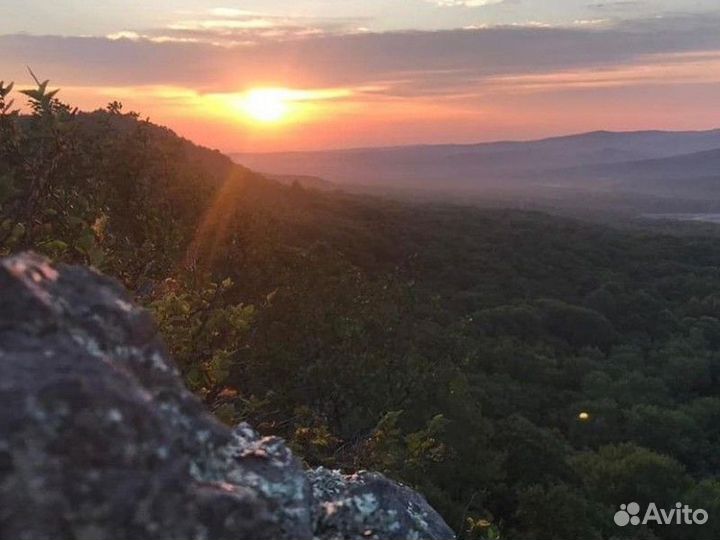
{"x": 55, "y": 247}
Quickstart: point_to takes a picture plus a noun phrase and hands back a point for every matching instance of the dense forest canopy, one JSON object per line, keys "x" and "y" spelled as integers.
{"x": 527, "y": 373}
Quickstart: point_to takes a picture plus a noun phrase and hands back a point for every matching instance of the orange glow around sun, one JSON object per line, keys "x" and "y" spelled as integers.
{"x": 270, "y": 106}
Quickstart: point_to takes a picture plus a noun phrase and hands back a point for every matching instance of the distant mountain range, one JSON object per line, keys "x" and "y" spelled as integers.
{"x": 636, "y": 161}
{"x": 695, "y": 164}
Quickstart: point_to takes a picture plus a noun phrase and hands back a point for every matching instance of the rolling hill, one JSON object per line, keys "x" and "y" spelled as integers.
{"x": 488, "y": 165}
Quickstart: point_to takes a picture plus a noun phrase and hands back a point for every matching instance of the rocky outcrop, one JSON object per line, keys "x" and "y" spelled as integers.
{"x": 100, "y": 440}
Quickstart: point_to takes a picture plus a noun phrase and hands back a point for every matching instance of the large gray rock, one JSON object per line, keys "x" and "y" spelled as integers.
{"x": 100, "y": 440}
{"x": 368, "y": 505}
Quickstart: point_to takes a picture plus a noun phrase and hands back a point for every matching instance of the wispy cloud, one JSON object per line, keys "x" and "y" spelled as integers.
{"x": 620, "y": 5}
{"x": 230, "y": 27}
{"x": 465, "y": 3}
{"x": 274, "y": 55}
{"x": 651, "y": 70}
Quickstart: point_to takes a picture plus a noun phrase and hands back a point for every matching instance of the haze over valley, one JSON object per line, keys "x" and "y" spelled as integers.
{"x": 644, "y": 170}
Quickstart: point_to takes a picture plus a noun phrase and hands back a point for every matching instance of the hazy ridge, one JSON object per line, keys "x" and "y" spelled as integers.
{"x": 643, "y": 161}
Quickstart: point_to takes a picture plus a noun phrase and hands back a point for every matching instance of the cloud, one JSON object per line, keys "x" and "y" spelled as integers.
{"x": 230, "y": 27}
{"x": 447, "y": 63}
{"x": 465, "y": 3}
{"x": 231, "y": 12}
{"x": 653, "y": 70}
{"x": 621, "y": 5}
{"x": 125, "y": 34}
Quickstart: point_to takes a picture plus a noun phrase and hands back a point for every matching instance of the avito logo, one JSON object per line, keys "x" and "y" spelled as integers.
{"x": 682, "y": 514}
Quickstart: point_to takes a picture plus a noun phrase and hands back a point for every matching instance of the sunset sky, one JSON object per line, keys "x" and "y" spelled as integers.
{"x": 265, "y": 75}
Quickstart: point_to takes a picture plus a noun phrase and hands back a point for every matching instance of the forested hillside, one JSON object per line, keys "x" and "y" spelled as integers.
{"x": 527, "y": 373}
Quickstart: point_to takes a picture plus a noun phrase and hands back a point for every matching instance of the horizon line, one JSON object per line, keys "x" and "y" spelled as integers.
{"x": 477, "y": 143}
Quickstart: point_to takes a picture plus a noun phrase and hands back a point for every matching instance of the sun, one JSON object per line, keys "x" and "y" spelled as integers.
{"x": 266, "y": 105}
